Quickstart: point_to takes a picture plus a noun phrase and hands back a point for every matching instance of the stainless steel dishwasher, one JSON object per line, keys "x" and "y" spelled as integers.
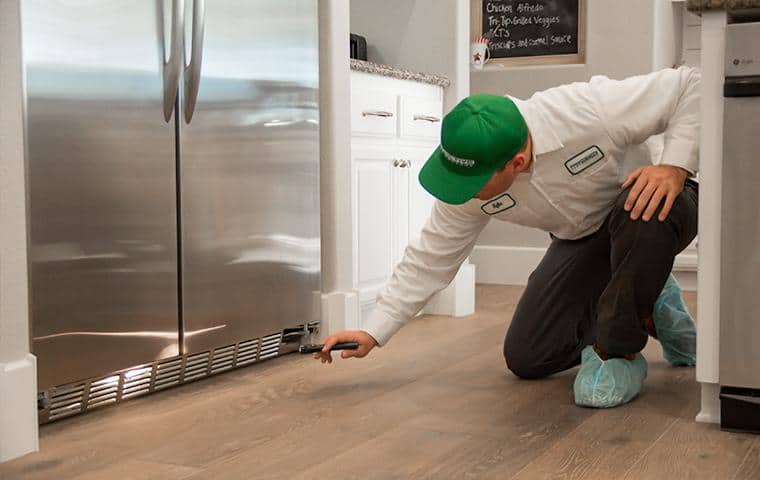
{"x": 740, "y": 232}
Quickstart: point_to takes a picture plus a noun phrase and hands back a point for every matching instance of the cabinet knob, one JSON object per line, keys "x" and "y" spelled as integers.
{"x": 396, "y": 162}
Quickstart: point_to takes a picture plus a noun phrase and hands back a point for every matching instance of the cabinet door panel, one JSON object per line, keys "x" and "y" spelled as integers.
{"x": 373, "y": 211}
{"x": 420, "y": 201}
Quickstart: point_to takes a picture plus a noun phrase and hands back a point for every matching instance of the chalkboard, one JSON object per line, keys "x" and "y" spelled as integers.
{"x": 532, "y": 28}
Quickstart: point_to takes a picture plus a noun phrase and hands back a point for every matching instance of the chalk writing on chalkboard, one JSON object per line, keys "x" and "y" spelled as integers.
{"x": 526, "y": 28}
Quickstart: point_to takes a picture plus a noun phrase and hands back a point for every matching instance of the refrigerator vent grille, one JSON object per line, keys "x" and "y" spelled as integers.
{"x": 66, "y": 400}
{"x": 71, "y": 399}
{"x": 136, "y": 382}
{"x": 247, "y": 352}
{"x": 196, "y": 366}
{"x": 224, "y": 358}
{"x": 103, "y": 391}
{"x": 270, "y": 346}
{"x": 168, "y": 373}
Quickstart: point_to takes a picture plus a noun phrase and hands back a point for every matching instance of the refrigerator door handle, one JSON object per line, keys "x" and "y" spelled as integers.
{"x": 193, "y": 68}
{"x": 173, "y": 65}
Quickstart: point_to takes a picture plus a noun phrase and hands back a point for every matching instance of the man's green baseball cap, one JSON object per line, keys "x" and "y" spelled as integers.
{"x": 479, "y": 136}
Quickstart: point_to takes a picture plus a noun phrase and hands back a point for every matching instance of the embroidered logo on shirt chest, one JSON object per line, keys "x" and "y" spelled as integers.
{"x": 584, "y": 160}
{"x": 499, "y": 204}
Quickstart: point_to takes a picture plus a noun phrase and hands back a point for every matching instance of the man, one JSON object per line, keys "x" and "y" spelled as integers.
{"x": 572, "y": 161}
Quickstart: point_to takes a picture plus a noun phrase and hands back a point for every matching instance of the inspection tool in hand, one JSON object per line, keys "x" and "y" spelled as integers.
{"x": 319, "y": 347}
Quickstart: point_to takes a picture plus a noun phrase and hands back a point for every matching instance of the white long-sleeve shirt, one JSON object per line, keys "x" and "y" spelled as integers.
{"x": 587, "y": 138}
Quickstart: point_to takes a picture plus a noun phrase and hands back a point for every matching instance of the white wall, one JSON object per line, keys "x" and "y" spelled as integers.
{"x": 413, "y": 34}
{"x": 428, "y": 36}
{"x": 18, "y": 372}
{"x": 691, "y": 42}
{"x": 667, "y": 34}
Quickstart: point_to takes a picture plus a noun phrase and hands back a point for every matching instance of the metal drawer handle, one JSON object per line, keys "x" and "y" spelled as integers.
{"x": 401, "y": 163}
{"x": 427, "y": 118}
{"x": 376, "y": 113}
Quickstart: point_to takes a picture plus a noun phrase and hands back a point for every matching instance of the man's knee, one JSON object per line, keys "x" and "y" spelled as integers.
{"x": 619, "y": 213}
{"x": 621, "y": 221}
{"x": 520, "y": 360}
{"x": 523, "y": 368}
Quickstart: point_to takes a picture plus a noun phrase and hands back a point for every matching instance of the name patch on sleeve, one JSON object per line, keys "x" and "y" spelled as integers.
{"x": 498, "y": 204}
{"x": 584, "y": 160}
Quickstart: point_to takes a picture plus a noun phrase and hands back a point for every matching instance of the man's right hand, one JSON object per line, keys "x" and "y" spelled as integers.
{"x": 364, "y": 339}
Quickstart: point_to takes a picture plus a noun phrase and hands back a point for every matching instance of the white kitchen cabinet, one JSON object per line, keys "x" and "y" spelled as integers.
{"x": 395, "y": 126}
{"x": 420, "y": 119}
{"x": 420, "y": 201}
{"x": 375, "y": 215}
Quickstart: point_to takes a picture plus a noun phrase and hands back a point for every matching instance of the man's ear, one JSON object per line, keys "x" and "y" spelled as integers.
{"x": 519, "y": 162}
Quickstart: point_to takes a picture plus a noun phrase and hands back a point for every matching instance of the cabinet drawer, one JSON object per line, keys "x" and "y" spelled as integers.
{"x": 373, "y": 112}
{"x": 421, "y": 118}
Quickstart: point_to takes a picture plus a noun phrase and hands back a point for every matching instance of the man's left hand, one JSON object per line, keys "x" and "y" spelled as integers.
{"x": 650, "y": 186}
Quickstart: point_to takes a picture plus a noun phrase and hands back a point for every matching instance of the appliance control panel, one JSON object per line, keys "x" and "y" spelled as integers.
{"x": 742, "y": 49}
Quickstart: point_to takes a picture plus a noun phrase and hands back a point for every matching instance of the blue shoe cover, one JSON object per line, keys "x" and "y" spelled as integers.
{"x": 608, "y": 383}
{"x": 676, "y": 330}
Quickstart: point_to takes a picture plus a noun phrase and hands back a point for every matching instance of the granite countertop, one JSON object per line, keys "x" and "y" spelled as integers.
{"x": 400, "y": 73}
{"x": 699, "y": 5}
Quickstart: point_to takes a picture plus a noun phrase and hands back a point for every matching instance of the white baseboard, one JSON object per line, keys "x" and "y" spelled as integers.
{"x": 686, "y": 261}
{"x": 18, "y": 408}
{"x": 685, "y": 269}
{"x": 458, "y": 299}
{"x": 505, "y": 265}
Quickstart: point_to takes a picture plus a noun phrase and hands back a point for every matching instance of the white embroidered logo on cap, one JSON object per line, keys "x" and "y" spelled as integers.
{"x": 463, "y": 162}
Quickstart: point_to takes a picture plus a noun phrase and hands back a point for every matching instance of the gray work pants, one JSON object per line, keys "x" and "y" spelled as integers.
{"x": 598, "y": 289}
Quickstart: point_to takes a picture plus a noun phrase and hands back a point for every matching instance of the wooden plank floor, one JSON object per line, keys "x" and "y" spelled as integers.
{"x": 437, "y": 402}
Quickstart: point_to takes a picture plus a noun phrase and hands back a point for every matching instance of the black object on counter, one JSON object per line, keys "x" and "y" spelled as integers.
{"x": 358, "y": 47}
{"x": 337, "y": 346}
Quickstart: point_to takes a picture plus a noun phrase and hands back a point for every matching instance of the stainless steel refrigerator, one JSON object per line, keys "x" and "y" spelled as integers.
{"x": 173, "y": 167}
{"x": 740, "y": 228}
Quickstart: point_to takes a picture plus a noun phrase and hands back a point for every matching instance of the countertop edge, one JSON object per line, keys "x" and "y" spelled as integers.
{"x": 400, "y": 73}
{"x": 703, "y": 5}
